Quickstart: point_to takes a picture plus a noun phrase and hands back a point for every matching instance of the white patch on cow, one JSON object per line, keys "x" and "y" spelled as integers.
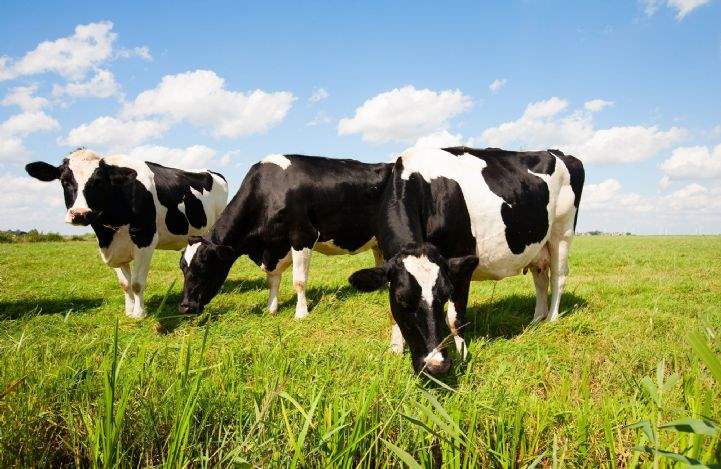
{"x": 496, "y": 260}
{"x": 397, "y": 340}
{"x": 434, "y": 358}
{"x": 280, "y": 160}
{"x": 82, "y": 163}
{"x": 425, "y": 272}
{"x": 190, "y": 251}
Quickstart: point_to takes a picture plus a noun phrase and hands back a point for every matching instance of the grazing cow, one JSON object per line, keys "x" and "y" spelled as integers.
{"x": 459, "y": 214}
{"x": 286, "y": 207}
{"x": 135, "y": 207}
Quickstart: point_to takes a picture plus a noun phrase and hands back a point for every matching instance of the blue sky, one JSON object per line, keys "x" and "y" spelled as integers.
{"x": 631, "y": 88}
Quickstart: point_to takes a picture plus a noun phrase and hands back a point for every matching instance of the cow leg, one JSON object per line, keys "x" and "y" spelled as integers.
{"x": 540, "y": 280}
{"x": 397, "y": 341}
{"x": 139, "y": 276}
{"x": 378, "y": 256}
{"x": 456, "y": 317}
{"x": 274, "y": 279}
{"x": 559, "y": 270}
{"x": 301, "y": 263}
{"x": 123, "y": 273}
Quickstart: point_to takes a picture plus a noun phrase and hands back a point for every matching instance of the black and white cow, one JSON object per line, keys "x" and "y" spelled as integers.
{"x": 458, "y": 214}
{"x": 135, "y": 207}
{"x": 286, "y": 207}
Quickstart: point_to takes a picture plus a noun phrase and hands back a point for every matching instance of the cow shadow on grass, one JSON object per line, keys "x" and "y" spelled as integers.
{"x": 16, "y": 309}
{"x": 510, "y": 315}
{"x": 169, "y": 319}
{"x": 503, "y": 318}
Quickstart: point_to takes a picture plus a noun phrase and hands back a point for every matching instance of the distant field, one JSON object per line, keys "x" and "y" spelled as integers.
{"x": 326, "y": 391}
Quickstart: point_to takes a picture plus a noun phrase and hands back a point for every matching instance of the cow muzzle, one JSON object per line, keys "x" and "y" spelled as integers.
{"x": 189, "y": 307}
{"x": 437, "y": 363}
{"x": 80, "y": 216}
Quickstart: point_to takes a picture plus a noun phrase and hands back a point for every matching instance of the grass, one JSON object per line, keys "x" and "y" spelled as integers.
{"x": 238, "y": 387}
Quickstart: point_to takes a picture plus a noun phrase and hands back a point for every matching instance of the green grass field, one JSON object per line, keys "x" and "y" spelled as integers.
{"x": 326, "y": 391}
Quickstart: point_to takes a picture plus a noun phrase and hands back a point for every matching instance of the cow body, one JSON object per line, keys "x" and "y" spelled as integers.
{"x": 287, "y": 206}
{"x": 459, "y": 214}
{"x": 135, "y": 207}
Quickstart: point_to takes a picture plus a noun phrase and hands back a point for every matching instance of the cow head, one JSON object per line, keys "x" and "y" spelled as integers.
{"x": 89, "y": 184}
{"x": 420, "y": 283}
{"x": 205, "y": 267}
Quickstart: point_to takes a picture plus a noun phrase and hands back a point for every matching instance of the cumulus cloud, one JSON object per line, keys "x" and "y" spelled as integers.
{"x": 404, "y": 114}
{"x": 27, "y": 203}
{"x": 698, "y": 162}
{"x": 101, "y": 85}
{"x": 24, "y": 97}
{"x": 596, "y": 105}
{"x": 607, "y": 196}
{"x": 201, "y": 98}
{"x": 319, "y": 94}
{"x": 682, "y": 7}
{"x": 439, "y": 139}
{"x": 497, "y": 84}
{"x": 192, "y": 157}
{"x": 15, "y": 128}
{"x": 546, "y": 124}
{"x": 71, "y": 56}
{"x": 114, "y": 134}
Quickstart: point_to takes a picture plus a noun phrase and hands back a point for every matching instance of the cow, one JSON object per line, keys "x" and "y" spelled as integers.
{"x": 287, "y": 206}
{"x": 135, "y": 207}
{"x": 458, "y": 214}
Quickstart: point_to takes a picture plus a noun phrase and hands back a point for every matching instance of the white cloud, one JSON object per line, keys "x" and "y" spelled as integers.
{"x": 439, "y": 139}
{"x": 543, "y": 125}
{"x": 27, "y": 203}
{"x": 596, "y": 105}
{"x": 200, "y": 97}
{"x": 682, "y": 7}
{"x": 497, "y": 84}
{"x": 18, "y": 126}
{"x": 404, "y": 114}
{"x": 693, "y": 163}
{"x": 319, "y": 94}
{"x": 70, "y": 56}
{"x": 114, "y": 134}
{"x": 320, "y": 118}
{"x": 607, "y": 196}
{"x": 102, "y": 85}
{"x": 192, "y": 157}
{"x": 142, "y": 52}
{"x": 23, "y": 97}
{"x": 664, "y": 183}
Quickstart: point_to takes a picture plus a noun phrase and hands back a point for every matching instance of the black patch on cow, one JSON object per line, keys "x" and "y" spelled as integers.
{"x": 314, "y": 198}
{"x": 578, "y": 176}
{"x": 525, "y": 195}
{"x": 119, "y": 199}
{"x": 173, "y": 187}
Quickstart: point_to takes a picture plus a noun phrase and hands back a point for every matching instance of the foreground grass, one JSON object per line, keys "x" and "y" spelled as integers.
{"x": 237, "y": 386}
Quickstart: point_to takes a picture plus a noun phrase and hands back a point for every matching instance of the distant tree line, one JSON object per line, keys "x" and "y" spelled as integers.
{"x": 35, "y": 236}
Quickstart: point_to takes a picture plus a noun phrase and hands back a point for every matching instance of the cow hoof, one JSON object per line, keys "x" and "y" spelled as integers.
{"x": 136, "y": 314}
{"x": 397, "y": 349}
{"x": 301, "y": 314}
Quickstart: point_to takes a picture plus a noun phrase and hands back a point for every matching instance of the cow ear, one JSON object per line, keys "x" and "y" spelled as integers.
{"x": 196, "y": 239}
{"x": 370, "y": 279}
{"x": 225, "y": 253}
{"x": 118, "y": 175}
{"x": 43, "y": 171}
{"x": 462, "y": 267}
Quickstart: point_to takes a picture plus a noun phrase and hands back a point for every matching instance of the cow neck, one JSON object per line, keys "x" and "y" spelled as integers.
{"x": 402, "y": 224}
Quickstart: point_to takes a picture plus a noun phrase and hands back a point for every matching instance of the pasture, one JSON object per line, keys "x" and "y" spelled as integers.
{"x": 237, "y": 386}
